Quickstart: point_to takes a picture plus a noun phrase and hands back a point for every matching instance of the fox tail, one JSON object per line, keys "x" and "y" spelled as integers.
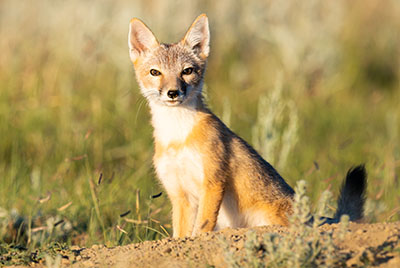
{"x": 352, "y": 194}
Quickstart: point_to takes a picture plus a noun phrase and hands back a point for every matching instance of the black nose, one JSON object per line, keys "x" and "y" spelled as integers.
{"x": 173, "y": 93}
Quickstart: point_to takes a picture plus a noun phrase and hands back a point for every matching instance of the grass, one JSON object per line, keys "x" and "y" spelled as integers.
{"x": 17, "y": 255}
{"x": 76, "y": 142}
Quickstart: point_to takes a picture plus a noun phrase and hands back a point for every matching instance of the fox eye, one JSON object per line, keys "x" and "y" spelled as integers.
{"x": 187, "y": 71}
{"x": 155, "y": 72}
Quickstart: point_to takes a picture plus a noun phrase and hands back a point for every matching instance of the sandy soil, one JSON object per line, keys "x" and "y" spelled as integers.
{"x": 376, "y": 244}
{"x": 364, "y": 245}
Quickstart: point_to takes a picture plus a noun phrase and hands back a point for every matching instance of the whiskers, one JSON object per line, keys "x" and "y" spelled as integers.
{"x": 146, "y": 97}
{"x": 155, "y": 97}
{"x": 141, "y": 101}
{"x": 151, "y": 95}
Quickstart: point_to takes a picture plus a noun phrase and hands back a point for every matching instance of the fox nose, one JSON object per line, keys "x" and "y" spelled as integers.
{"x": 173, "y": 93}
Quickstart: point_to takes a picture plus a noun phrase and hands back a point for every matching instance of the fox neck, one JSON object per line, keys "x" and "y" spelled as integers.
{"x": 173, "y": 124}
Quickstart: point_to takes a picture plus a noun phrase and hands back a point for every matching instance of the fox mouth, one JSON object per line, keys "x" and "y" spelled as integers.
{"x": 173, "y": 102}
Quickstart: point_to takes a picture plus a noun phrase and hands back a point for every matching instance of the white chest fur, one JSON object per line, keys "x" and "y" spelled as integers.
{"x": 181, "y": 172}
{"x": 172, "y": 124}
{"x": 179, "y": 169}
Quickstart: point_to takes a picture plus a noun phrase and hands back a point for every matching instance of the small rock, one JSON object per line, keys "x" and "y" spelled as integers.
{"x": 360, "y": 231}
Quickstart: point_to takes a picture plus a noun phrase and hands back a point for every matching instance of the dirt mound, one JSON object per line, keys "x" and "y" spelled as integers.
{"x": 364, "y": 244}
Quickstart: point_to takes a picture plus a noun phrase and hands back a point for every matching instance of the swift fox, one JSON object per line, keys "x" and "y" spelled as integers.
{"x": 213, "y": 178}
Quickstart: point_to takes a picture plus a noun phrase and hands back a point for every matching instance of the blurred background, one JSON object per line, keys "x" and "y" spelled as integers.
{"x": 312, "y": 85}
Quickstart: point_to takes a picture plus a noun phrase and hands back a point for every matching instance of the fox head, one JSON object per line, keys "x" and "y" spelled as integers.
{"x": 170, "y": 74}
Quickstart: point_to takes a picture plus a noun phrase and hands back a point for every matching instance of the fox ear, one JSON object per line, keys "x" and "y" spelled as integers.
{"x": 140, "y": 38}
{"x": 198, "y": 36}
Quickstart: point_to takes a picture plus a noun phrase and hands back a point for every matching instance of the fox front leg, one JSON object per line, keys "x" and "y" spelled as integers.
{"x": 183, "y": 216}
{"x": 209, "y": 205}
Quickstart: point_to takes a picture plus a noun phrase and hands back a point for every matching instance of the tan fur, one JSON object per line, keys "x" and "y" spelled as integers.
{"x": 182, "y": 215}
{"x": 214, "y": 179}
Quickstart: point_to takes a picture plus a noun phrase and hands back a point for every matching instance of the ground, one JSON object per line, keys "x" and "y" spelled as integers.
{"x": 363, "y": 245}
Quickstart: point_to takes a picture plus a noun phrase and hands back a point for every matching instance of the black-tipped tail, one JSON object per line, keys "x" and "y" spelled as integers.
{"x": 352, "y": 194}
